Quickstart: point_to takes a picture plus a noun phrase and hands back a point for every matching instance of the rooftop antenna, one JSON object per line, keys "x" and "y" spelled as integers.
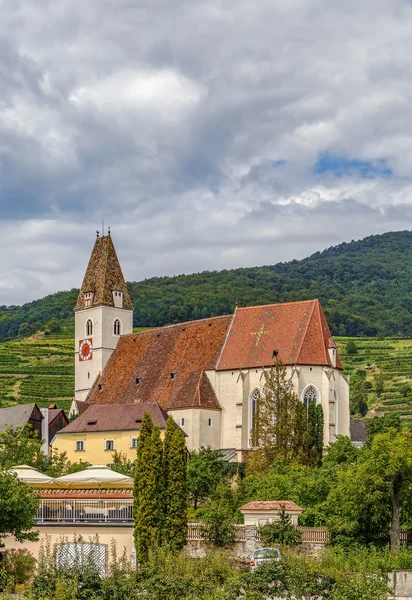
{"x": 103, "y": 227}
{"x": 108, "y": 231}
{"x": 97, "y": 233}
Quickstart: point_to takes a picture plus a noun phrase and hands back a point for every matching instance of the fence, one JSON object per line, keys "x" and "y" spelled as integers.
{"x": 85, "y": 511}
{"x": 315, "y": 535}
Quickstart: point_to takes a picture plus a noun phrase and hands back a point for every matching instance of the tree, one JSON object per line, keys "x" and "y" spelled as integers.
{"x": 21, "y": 446}
{"x": 148, "y": 490}
{"x": 405, "y": 389}
{"x": 351, "y": 348}
{"x": 379, "y": 383}
{"x": 121, "y": 464}
{"x": 175, "y": 470}
{"x": 204, "y": 471}
{"x": 218, "y": 525}
{"x": 18, "y": 508}
{"x": 281, "y": 531}
{"x": 274, "y": 428}
{"x": 359, "y": 399}
{"x": 315, "y": 433}
{"x": 371, "y": 495}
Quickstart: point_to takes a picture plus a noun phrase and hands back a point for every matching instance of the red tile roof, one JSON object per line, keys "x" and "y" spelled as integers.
{"x": 104, "y": 276}
{"x": 141, "y": 367}
{"x": 297, "y": 331}
{"x": 288, "y": 505}
{"x": 115, "y": 417}
{"x": 88, "y": 494}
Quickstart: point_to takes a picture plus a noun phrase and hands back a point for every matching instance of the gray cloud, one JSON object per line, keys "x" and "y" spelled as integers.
{"x": 194, "y": 128}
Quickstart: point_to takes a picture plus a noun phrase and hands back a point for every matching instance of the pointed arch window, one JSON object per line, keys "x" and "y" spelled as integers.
{"x": 117, "y": 327}
{"x": 254, "y": 399}
{"x": 310, "y": 396}
{"x": 89, "y": 327}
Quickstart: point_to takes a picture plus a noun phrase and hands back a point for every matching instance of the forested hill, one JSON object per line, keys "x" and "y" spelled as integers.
{"x": 365, "y": 288}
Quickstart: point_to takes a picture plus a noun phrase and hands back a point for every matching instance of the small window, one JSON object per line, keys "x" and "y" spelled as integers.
{"x": 91, "y": 422}
{"x": 133, "y": 442}
{"x": 182, "y": 421}
{"x": 138, "y": 380}
{"x": 88, "y": 375}
{"x": 89, "y": 327}
{"x": 109, "y": 445}
{"x": 310, "y": 369}
{"x": 79, "y": 447}
{"x": 209, "y": 422}
{"x": 116, "y": 327}
{"x": 101, "y": 386}
{"x": 173, "y": 375}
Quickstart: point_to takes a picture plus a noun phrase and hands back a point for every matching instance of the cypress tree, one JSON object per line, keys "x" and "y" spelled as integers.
{"x": 148, "y": 489}
{"x": 315, "y": 432}
{"x": 174, "y": 468}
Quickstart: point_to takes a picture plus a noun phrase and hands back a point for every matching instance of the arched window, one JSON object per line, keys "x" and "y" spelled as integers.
{"x": 117, "y": 326}
{"x": 89, "y": 327}
{"x": 253, "y": 402}
{"x": 310, "y": 396}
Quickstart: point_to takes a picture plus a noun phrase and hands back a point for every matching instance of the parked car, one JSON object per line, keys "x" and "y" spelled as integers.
{"x": 264, "y": 555}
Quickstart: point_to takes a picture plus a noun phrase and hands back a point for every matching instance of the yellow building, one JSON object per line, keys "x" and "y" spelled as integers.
{"x": 100, "y": 430}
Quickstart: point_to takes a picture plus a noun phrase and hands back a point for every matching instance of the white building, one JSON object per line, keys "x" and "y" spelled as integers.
{"x": 207, "y": 374}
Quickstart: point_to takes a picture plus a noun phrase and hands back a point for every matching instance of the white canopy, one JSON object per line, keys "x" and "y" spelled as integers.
{"x": 95, "y": 476}
{"x": 32, "y": 477}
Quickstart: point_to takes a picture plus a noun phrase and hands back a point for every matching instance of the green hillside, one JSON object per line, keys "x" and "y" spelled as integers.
{"x": 37, "y": 369}
{"x": 391, "y": 358}
{"x": 365, "y": 288}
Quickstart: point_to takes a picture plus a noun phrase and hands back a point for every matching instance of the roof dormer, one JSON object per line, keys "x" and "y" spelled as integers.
{"x": 118, "y": 299}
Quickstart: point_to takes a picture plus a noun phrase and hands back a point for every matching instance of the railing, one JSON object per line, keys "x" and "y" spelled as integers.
{"x": 85, "y": 511}
{"x": 318, "y": 535}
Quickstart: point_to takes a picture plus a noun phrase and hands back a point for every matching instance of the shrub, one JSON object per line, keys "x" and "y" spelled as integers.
{"x": 20, "y": 564}
{"x": 218, "y": 525}
{"x": 280, "y": 532}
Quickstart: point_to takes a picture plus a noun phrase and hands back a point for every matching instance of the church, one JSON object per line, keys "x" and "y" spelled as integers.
{"x": 208, "y": 374}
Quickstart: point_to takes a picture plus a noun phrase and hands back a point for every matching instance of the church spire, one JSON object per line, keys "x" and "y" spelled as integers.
{"x": 103, "y": 278}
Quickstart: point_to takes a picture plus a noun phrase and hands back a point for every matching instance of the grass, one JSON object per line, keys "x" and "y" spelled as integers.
{"x": 390, "y": 357}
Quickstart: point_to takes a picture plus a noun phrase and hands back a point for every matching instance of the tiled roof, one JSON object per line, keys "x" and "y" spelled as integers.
{"x": 104, "y": 276}
{"x": 16, "y": 416}
{"x": 288, "y": 505}
{"x": 54, "y": 413}
{"x": 115, "y": 417}
{"x": 141, "y": 367}
{"x": 297, "y": 331}
{"x": 88, "y": 494}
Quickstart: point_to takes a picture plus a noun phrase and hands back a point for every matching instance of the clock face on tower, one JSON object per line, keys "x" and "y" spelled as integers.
{"x": 86, "y": 349}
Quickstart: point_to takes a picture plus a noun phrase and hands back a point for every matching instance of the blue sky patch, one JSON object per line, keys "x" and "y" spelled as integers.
{"x": 339, "y": 166}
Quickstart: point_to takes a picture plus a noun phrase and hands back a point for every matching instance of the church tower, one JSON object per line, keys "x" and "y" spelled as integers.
{"x": 103, "y": 312}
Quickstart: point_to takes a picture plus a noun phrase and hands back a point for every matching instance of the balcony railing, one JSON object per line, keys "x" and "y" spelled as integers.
{"x": 85, "y": 511}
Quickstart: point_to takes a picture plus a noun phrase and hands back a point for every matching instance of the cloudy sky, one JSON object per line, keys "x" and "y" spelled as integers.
{"x": 208, "y": 134}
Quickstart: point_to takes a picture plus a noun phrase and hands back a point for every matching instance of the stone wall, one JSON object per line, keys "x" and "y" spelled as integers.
{"x": 401, "y": 584}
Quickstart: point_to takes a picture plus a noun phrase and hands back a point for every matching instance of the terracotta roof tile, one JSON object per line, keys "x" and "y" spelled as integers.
{"x": 141, "y": 368}
{"x": 115, "y": 417}
{"x": 288, "y": 505}
{"x": 297, "y": 331}
{"x": 86, "y": 493}
{"x": 103, "y": 276}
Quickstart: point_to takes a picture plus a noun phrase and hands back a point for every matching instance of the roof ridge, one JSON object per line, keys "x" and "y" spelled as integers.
{"x": 306, "y": 331}
{"x": 226, "y": 338}
{"x": 163, "y": 327}
{"x": 278, "y": 304}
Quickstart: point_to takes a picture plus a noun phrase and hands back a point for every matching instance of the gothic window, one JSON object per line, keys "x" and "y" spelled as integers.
{"x": 89, "y": 327}
{"x": 117, "y": 327}
{"x": 310, "y": 396}
{"x": 254, "y": 399}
